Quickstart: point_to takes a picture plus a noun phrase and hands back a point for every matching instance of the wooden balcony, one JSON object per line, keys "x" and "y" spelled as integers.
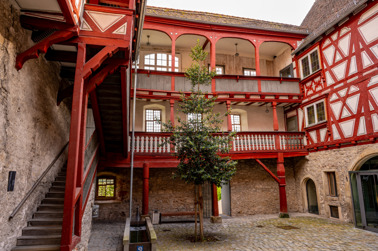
{"x": 244, "y": 142}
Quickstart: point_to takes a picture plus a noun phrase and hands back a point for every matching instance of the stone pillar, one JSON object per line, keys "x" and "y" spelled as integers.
{"x": 146, "y": 177}
{"x": 282, "y": 186}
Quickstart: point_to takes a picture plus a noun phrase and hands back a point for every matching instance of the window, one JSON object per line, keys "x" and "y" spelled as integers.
{"x": 194, "y": 118}
{"x": 105, "y": 187}
{"x": 310, "y": 63}
{"x": 334, "y": 211}
{"x": 249, "y": 72}
{"x": 315, "y": 113}
{"x": 331, "y": 177}
{"x": 153, "y": 120}
{"x": 292, "y": 124}
{"x": 287, "y": 72}
{"x": 235, "y": 122}
{"x": 160, "y": 62}
{"x": 219, "y": 69}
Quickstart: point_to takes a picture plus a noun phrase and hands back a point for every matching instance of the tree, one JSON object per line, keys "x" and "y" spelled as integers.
{"x": 197, "y": 140}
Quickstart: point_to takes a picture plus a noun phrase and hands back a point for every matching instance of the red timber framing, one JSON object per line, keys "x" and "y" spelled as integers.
{"x": 347, "y": 83}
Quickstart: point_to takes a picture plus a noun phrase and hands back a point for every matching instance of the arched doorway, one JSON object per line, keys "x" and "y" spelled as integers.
{"x": 312, "y": 199}
{"x": 364, "y": 186}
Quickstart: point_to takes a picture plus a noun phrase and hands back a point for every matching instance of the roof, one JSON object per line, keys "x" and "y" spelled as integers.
{"x": 323, "y": 15}
{"x": 220, "y": 19}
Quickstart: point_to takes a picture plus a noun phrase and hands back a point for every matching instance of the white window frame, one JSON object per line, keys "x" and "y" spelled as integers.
{"x": 155, "y": 128}
{"x": 233, "y": 126}
{"x": 309, "y": 61}
{"x": 315, "y": 113}
{"x": 158, "y": 67}
{"x": 191, "y": 116}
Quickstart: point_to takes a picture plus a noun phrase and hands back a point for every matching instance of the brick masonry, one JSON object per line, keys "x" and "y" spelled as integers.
{"x": 33, "y": 129}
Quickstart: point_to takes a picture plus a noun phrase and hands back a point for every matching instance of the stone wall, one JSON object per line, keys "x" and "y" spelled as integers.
{"x": 165, "y": 194}
{"x": 33, "y": 129}
{"x": 254, "y": 191}
{"x": 341, "y": 161}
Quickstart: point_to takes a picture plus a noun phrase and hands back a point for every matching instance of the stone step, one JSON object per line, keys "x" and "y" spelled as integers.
{"x": 61, "y": 173}
{"x": 45, "y": 222}
{"x": 37, "y": 248}
{"x": 55, "y": 194}
{"x": 51, "y": 207}
{"x": 57, "y": 189}
{"x": 26, "y": 240}
{"x": 60, "y": 178}
{"x": 42, "y": 230}
{"x": 59, "y": 183}
{"x": 48, "y": 214}
{"x": 53, "y": 201}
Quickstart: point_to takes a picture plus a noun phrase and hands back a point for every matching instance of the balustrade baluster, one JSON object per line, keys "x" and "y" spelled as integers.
{"x": 137, "y": 144}
{"x": 142, "y": 142}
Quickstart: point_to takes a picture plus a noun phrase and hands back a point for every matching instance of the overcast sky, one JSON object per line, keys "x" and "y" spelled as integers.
{"x": 282, "y": 11}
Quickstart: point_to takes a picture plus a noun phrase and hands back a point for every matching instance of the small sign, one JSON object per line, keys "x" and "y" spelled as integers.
{"x": 139, "y": 248}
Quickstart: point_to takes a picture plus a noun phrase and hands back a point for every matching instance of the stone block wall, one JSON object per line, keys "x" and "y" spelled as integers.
{"x": 254, "y": 191}
{"x": 165, "y": 194}
{"x": 33, "y": 129}
{"x": 341, "y": 161}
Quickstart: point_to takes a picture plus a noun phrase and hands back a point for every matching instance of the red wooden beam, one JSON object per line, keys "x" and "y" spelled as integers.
{"x": 97, "y": 119}
{"x": 267, "y": 169}
{"x": 67, "y": 12}
{"x": 41, "y": 47}
{"x": 146, "y": 177}
{"x": 125, "y": 125}
{"x": 95, "y": 62}
{"x": 33, "y": 23}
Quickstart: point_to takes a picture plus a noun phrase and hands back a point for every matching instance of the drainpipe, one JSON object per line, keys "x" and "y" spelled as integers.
{"x": 140, "y": 29}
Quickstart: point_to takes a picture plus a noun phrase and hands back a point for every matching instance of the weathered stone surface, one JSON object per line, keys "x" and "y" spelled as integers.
{"x": 32, "y": 128}
{"x": 340, "y": 161}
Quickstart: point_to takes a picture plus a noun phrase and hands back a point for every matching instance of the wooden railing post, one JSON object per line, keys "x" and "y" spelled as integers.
{"x": 275, "y": 126}
{"x": 146, "y": 177}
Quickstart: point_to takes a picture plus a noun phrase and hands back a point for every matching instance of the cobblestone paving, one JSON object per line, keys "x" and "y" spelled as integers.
{"x": 249, "y": 233}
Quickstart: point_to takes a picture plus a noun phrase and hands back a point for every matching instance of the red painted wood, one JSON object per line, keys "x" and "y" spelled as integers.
{"x": 282, "y": 183}
{"x": 95, "y": 62}
{"x": 68, "y": 13}
{"x": 146, "y": 177}
{"x": 229, "y": 122}
{"x": 74, "y": 151}
{"x": 41, "y": 47}
{"x": 212, "y": 64}
{"x": 267, "y": 169}
{"x": 125, "y": 109}
{"x": 215, "y": 200}
{"x": 32, "y": 23}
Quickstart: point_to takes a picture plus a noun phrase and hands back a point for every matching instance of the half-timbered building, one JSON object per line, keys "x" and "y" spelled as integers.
{"x": 303, "y": 102}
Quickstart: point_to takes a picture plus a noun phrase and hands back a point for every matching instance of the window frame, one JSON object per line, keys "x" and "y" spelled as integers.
{"x": 218, "y": 66}
{"x": 153, "y": 120}
{"x": 315, "y": 113}
{"x": 195, "y": 114}
{"x": 332, "y": 184}
{"x": 232, "y": 122}
{"x": 249, "y": 69}
{"x": 308, "y": 57}
{"x": 114, "y": 189}
{"x": 290, "y": 68}
{"x": 155, "y": 66}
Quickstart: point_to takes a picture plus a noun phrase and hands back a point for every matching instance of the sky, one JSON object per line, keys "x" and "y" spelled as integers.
{"x": 282, "y": 11}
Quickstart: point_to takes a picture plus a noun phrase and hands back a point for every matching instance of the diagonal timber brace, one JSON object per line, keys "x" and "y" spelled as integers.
{"x": 270, "y": 172}
{"x": 41, "y": 47}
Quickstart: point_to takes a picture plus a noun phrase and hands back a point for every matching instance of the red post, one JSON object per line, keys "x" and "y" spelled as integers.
{"x": 282, "y": 185}
{"x": 257, "y": 64}
{"x": 146, "y": 177}
{"x": 215, "y": 201}
{"x": 275, "y": 125}
{"x": 173, "y": 62}
{"x": 172, "y": 114}
{"x": 75, "y": 150}
{"x": 212, "y": 63}
{"x": 229, "y": 122}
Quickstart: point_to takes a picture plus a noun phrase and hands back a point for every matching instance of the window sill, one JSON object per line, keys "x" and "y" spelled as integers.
{"x": 107, "y": 202}
{"x": 316, "y": 126}
{"x": 313, "y": 75}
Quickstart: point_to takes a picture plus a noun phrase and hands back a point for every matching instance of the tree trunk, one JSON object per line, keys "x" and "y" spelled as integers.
{"x": 200, "y": 199}
{"x": 195, "y": 212}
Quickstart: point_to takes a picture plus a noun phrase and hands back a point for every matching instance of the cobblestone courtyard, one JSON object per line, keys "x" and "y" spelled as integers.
{"x": 301, "y": 232}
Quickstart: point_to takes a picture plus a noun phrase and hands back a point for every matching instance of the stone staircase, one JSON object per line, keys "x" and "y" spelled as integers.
{"x": 43, "y": 232}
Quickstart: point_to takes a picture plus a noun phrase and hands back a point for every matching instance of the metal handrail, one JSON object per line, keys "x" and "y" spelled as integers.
{"x": 37, "y": 183}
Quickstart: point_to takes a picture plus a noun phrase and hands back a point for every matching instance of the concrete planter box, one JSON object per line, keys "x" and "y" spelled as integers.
{"x": 139, "y": 237}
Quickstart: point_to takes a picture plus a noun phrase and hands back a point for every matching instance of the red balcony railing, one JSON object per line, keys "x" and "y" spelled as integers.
{"x": 243, "y": 142}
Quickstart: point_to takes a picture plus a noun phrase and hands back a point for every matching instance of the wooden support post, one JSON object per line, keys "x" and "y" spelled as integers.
{"x": 75, "y": 150}
{"x": 229, "y": 122}
{"x": 172, "y": 114}
{"x": 212, "y": 64}
{"x": 275, "y": 126}
{"x": 146, "y": 177}
{"x": 282, "y": 185}
{"x": 173, "y": 62}
{"x": 125, "y": 88}
{"x": 257, "y": 64}
{"x": 215, "y": 200}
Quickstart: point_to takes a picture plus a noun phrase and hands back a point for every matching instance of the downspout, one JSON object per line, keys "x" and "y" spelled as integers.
{"x": 140, "y": 29}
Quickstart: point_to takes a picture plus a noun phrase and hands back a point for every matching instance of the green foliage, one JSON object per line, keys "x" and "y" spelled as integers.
{"x": 197, "y": 140}
{"x": 219, "y": 193}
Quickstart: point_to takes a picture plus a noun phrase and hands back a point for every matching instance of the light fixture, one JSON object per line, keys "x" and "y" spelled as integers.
{"x": 148, "y": 40}
{"x": 267, "y": 109}
{"x": 237, "y": 53}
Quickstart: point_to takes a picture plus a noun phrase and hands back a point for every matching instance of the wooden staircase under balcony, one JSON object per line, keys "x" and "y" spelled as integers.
{"x": 44, "y": 230}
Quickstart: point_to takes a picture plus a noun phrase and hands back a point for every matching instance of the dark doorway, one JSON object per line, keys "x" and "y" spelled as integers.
{"x": 312, "y": 199}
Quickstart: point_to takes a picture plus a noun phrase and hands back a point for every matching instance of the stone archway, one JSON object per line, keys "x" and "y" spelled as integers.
{"x": 311, "y": 196}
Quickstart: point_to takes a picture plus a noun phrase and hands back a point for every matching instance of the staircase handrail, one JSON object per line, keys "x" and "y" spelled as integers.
{"x": 37, "y": 183}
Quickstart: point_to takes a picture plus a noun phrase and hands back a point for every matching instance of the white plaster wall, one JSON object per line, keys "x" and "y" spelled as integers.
{"x": 281, "y": 61}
